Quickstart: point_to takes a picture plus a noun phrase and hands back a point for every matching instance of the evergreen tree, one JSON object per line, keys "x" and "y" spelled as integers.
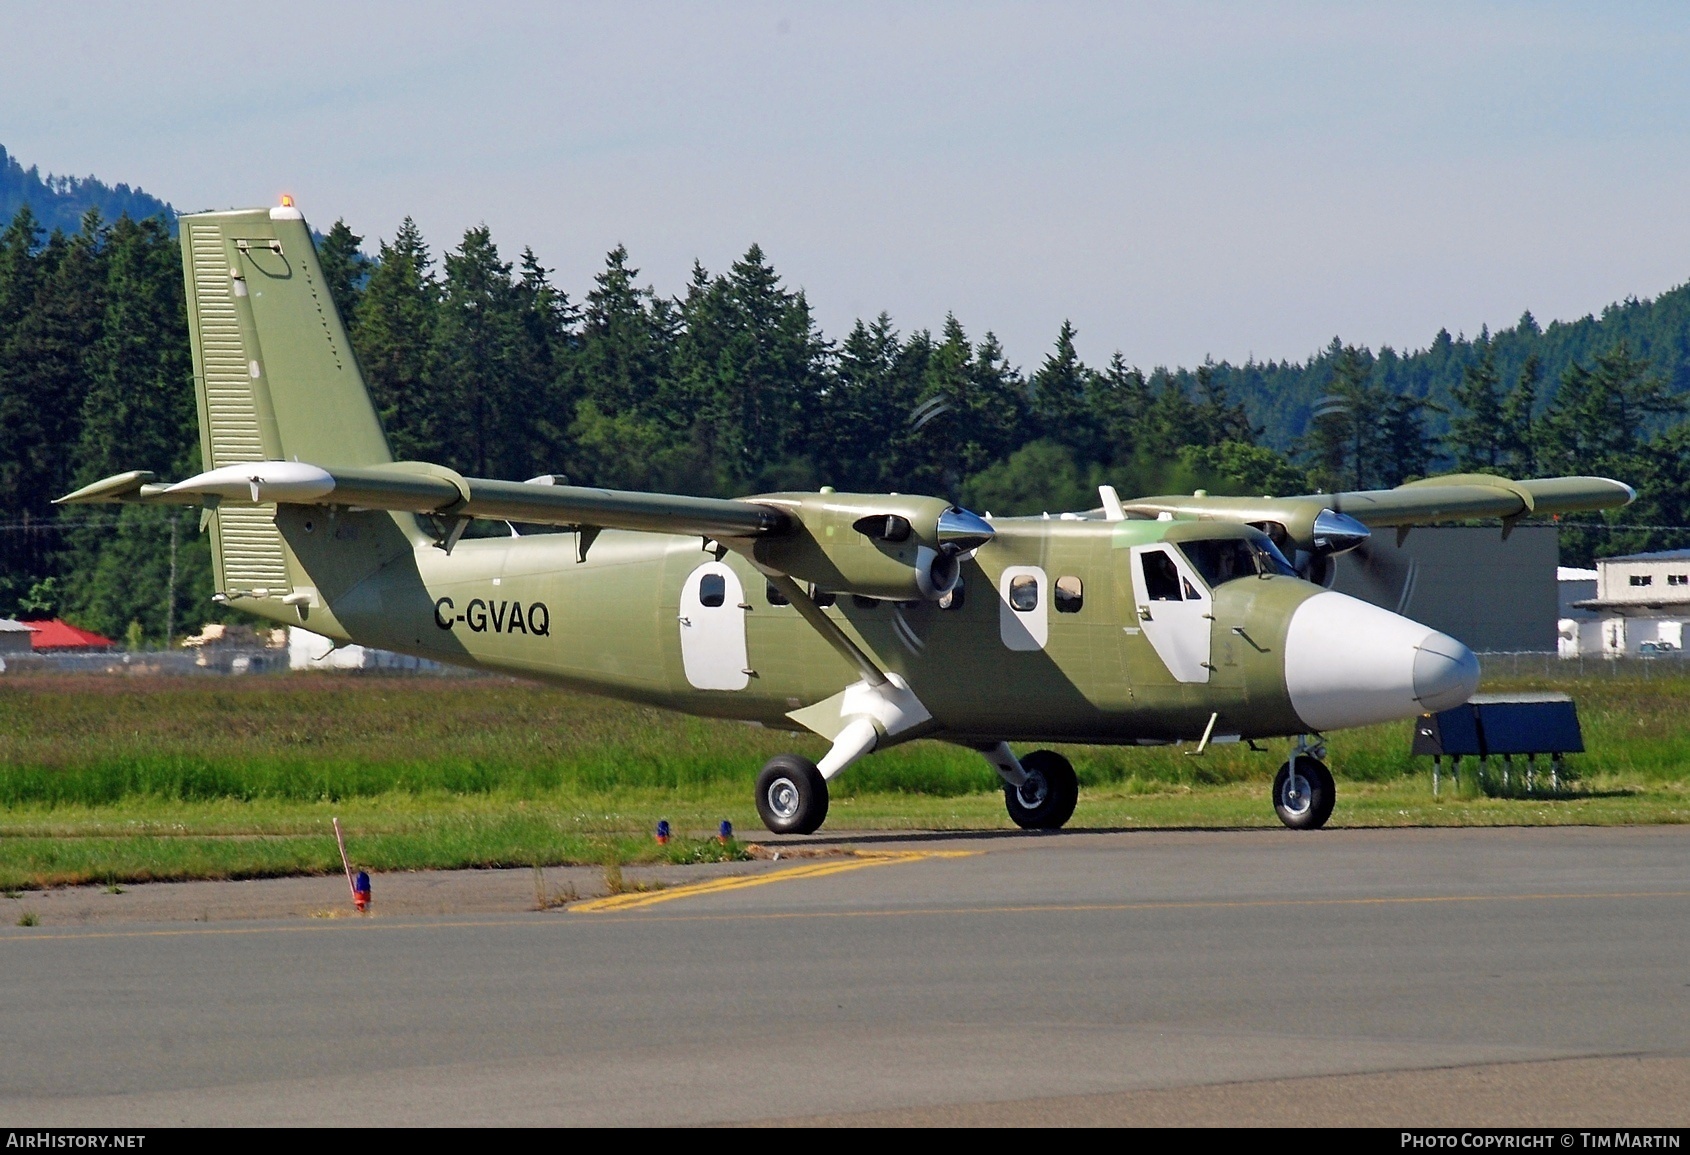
{"x": 1119, "y": 399}
{"x": 151, "y": 570}
{"x": 1519, "y": 425}
{"x": 867, "y": 428}
{"x": 345, "y": 269}
{"x": 1337, "y": 440}
{"x": 751, "y": 360}
{"x": 396, "y": 318}
{"x": 1599, "y": 416}
{"x": 624, "y": 358}
{"x": 1220, "y": 418}
{"x": 50, "y": 300}
{"x": 486, "y": 362}
{"x": 1406, "y": 449}
{"x": 1477, "y": 431}
{"x": 1059, "y": 398}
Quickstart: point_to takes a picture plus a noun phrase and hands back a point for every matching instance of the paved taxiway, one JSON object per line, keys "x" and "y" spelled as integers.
{"x": 1432, "y": 976}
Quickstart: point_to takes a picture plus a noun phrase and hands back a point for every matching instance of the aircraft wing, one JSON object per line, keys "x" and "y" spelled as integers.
{"x": 1457, "y": 497}
{"x": 416, "y": 487}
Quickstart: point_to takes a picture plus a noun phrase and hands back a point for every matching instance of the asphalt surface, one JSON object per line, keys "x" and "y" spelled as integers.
{"x": 1384, "y": 977}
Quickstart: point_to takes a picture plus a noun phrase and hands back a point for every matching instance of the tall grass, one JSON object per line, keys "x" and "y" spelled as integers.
{"x": 95, "y": 741}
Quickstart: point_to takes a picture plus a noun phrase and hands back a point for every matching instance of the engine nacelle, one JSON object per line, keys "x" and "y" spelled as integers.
{"x": 1314, "y": 543}
{"x": 891, "y": 547}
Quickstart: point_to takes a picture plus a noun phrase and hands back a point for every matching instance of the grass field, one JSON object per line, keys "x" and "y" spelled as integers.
{"x": 124, "y": 779}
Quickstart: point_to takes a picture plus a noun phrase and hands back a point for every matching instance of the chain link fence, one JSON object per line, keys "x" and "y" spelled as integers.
{"x": 1525, "y": 665}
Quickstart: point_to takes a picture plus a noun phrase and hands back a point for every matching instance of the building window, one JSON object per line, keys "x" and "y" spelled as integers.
{"x": 1642, "y": 579}
{"x": 1678, "y": 579}
{"x": 1070, "y": 595}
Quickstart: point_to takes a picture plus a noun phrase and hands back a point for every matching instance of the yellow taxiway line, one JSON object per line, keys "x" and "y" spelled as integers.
{"x": 859, "y": 860}
{"x": 1152, "y": 906}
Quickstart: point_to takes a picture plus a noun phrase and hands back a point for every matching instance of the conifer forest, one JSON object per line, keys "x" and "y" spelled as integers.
{"x": 726, "y": 386}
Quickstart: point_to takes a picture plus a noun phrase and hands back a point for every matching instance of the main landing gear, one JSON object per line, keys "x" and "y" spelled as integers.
{"x": 1039, "y": 791}
{"x": 791, "y": 795}
{"x": 1303, "y": 790}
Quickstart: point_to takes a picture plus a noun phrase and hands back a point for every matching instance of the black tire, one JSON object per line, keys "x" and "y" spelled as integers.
{"x": 1313, "y": 805}
{"x": 791, "y": 795}
{"x": 1046, "y": 801}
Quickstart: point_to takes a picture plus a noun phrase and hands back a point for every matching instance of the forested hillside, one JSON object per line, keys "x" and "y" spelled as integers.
{"x": 58, "y": 202}
{"x": 729, "y": 387}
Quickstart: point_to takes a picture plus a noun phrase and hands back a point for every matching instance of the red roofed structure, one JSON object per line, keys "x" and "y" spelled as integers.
{"x": 59, "y": 635}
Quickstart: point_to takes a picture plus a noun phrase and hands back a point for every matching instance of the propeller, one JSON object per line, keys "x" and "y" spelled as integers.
{"x": 1386, "y": 574}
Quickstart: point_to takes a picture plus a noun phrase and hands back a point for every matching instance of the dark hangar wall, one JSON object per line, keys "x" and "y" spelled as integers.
{"x": 1467, "y": 582}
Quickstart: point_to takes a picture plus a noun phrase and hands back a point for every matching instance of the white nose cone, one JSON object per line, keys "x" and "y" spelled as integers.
{"x": 1348, "y": 663}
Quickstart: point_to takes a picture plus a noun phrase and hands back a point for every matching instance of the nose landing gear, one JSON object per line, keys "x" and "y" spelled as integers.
{"x": 1303, "y": 790}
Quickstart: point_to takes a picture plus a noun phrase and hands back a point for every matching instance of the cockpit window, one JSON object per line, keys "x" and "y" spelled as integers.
{"x": 1161, "y": 576}
{"x": 1226, "y": 559}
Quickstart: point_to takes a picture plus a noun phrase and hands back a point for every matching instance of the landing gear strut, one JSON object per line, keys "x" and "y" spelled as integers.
{"x": 1046, "y": 797}
{"x": 791, "y": 795}
{"x": 1303, "y": 790}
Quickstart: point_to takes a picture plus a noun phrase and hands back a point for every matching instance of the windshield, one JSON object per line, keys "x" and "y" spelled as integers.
{"x": 1225, "y": 559}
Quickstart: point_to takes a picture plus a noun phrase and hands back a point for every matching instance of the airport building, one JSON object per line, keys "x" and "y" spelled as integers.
{"x": 1631, "y": 606}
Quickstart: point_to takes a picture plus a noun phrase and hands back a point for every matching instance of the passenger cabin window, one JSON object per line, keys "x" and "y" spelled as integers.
{"x": 1024, "y": 593}
{"x": 1642, "y": 579}
{"x": 863, "y": 603}
{"x": 822, "y": 599}
{"x": 1161, "y": 578}
{"x": 776, "y": 598}
{"x": 1070, "y": 595}
{"x": 712, "y": 590}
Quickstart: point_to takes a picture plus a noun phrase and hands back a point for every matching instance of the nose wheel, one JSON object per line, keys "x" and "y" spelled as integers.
{"x": 1046, "y": 800}
{"x": 791, "y": 795}
{"x": 1303, "y": 793}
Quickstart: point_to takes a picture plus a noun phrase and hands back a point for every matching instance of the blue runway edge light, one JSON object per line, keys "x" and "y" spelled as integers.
{"x": 663, "y": 831}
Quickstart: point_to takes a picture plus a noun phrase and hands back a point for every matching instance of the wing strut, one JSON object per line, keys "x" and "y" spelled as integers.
{"x": 827, "y": 628}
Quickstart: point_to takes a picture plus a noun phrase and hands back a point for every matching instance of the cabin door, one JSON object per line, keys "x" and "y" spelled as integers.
{"x": 712, "y": 622}
{"x": 1174, "y": 611}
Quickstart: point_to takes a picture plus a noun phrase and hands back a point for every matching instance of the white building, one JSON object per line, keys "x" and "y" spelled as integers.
{"x": 309, "y": 651}
{"x": 1630, "y": 606}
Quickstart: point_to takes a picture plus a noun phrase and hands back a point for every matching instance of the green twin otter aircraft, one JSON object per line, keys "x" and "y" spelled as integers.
{"x": 869, "y": 619}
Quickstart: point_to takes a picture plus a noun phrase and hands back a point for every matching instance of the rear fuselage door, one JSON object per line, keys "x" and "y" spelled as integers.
{"x": 1174, "y": 610}
{"x": 712, "y": 622}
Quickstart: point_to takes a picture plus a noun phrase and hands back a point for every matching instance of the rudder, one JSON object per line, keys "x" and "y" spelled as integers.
{"x": 274, "y": 375}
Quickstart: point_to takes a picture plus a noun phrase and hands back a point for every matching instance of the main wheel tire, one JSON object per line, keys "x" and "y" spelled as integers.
{"x": 791, "y": 795}
{"x": 1304, "y": 801}
{"x": 1046, "y": 800}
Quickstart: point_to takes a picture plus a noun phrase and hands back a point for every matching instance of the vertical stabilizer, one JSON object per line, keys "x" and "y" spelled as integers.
{"x": 274, "y": 374}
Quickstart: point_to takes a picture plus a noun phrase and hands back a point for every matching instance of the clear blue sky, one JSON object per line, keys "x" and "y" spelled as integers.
{"x": 1178, "y": 179}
